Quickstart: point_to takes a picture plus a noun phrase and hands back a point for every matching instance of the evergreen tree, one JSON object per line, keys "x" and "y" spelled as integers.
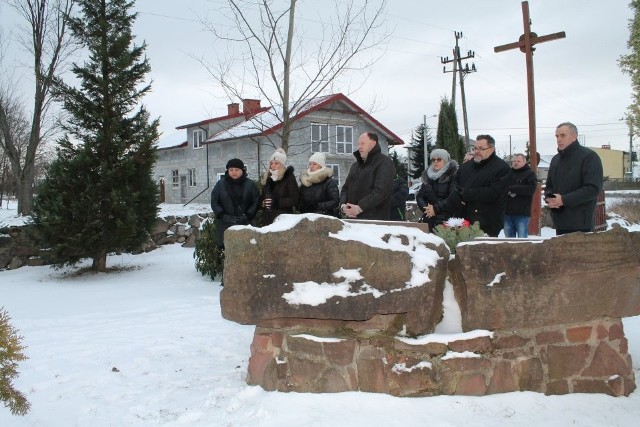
{"x": 416, "y": 153}
{"x": 630, "y": 64}
{"x": 448, "y": 136}
{"x": 99, "y": 195}
{"x": 400, "y": 164}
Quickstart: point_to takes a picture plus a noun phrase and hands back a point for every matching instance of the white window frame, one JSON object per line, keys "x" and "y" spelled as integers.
{"x": 336, "y": 172}
{"x": 192, "y": 177}
{"x": 343, "y": 145}
{"x": 198, "y": 138}
{"x": 318, "y": 144}
{"x": 175, "y": 178}
{"x": 219, "y": 176}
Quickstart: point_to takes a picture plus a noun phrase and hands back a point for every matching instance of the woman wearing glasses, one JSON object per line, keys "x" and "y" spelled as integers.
{"x": 436, "y": 185}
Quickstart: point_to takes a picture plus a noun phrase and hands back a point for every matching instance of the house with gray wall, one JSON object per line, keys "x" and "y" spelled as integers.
{"x": 187, "y": 170}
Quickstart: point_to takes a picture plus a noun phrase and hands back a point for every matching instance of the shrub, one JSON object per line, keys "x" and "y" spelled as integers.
{"x": 209, "y": 258}
{"x": 10, "y": 354}
{"x": 629, "y": 209}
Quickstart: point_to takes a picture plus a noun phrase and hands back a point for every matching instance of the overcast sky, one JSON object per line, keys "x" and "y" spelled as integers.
{"x": 577, "y": 78}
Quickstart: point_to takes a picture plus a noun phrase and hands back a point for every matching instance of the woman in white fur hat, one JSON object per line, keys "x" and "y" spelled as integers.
{"x": 318, "y": 190}
{"x": 280, "y": 193}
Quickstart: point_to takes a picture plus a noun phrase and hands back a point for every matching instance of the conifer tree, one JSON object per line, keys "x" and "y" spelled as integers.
{"x": 448, "y": 136}
{"x": 400, "y": 164}
{"x": 630, "y": 64}
{"x": 99, "y": 195}
{"x": 416, "y": 154}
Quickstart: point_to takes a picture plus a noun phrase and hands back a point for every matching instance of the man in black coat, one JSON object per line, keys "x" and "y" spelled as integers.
{"x": 234, "y": 199}
{"x": 399, "y": 196}
{"x": 522, "y": 186}
{"x": 480, "y": 188}
{"x": 573, "y": 183}
{"x": 366, "y": 193}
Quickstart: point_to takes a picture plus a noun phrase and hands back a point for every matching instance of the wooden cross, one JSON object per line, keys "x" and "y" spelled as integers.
{"x": 525, "y": 44}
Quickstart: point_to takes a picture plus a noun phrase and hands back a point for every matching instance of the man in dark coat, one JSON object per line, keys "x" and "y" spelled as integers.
{"x": 522, "y": 186}
{"x": 480, "y": 188}
{"x": 366, "y": 193}
{"x": 234, "y": 199}
{"x": 573, "y": 183}
{"x": 399, "y": 196}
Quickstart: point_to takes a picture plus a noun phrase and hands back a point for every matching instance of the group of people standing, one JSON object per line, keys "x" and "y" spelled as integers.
{"x": 483, "y": 188}
{"x": 236, "y": 200}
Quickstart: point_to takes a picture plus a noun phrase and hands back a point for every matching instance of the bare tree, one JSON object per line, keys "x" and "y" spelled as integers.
{"x": 48, "y": 43}
{"x": 268, "y": 57}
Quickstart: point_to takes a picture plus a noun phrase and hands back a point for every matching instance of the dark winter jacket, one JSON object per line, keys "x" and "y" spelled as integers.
{"x": 435, "y": 191}
{"x": 522, "y": 186}
{"x": 480, "y": 190}
{"x": 576, "y": 174}
{"x": 234, "y": 202}
{"x": 319, "y": 192}
{"x": 369, "y": 184}
{"x": 284, "y": 194}
{"x": 399, "y": 196}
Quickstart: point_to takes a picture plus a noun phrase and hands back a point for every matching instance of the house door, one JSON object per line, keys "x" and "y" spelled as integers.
{"x": 183, "y": 188}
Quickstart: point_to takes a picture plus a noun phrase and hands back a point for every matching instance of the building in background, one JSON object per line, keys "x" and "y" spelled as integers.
{"x": 188, "y": 166}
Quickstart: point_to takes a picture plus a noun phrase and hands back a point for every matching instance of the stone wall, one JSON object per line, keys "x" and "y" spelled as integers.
{"x": 587, "y": 357}
{"x": 540, "y": 316}
{"x": 19, "y": 245}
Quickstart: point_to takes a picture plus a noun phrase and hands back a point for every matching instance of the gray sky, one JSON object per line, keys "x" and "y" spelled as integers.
{"x": 577, "y": 78}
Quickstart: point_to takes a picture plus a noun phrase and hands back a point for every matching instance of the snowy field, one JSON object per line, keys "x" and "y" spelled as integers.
{"x": 147, "y": 346}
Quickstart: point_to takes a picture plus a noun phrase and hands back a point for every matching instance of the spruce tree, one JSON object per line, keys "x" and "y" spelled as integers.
{"x": 399, "y": 163}
{"x": 416, "y": 154}
{"x": 448, "y": 136}
{"x": 99, "y": 195}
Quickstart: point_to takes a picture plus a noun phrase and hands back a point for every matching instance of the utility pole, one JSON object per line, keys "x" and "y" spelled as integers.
{"x": 424, "y": 142}
{"x": 462, "y": 71}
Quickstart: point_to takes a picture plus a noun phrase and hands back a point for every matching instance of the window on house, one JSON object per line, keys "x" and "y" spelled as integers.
{"x": 175, "y": 178}
{"x": 192, "y": 177}
{"x": 344, "y": 139}
{"x": 336, "y": 173}
{"x": 319, "y": 138}
{"x": 198, "y": 138}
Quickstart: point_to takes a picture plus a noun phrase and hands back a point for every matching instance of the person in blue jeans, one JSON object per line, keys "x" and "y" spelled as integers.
{"x": 520, "y": 190}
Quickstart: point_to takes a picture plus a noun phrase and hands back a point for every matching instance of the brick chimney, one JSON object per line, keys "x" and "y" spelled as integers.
{"x": 250, "y": 106}
{"x": 233, "y": 109}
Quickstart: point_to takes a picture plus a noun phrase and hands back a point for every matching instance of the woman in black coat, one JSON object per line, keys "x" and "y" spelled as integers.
{"x": 318, "y": 190}
{"x": 280, "y": 193}
{"x": 234, "y": 199}
{"x": 436, "y": 186}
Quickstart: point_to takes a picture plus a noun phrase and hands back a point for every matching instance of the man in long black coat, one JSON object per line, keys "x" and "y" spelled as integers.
{"x": 366, "y": 193}
{"x": 480, "y": 188}
{"x": 573, "y": 183}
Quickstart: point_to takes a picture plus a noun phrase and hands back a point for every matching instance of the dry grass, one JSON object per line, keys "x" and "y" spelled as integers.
{"x": 629, "y": 209}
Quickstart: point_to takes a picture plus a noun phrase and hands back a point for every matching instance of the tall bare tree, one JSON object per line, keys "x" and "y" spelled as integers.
{"x": 271, "y": 55}
{"x": 48, "y": 43}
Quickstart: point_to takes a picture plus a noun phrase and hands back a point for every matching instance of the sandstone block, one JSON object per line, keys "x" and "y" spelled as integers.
{"x": 510, "y": 285}
{"x": 320, "y": 267}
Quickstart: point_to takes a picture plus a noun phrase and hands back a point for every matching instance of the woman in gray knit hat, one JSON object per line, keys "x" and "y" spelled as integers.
{"x": 437, "y": 183}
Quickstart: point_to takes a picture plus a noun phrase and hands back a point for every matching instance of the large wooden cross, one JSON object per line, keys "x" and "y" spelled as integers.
{"x": 525, "y": 44}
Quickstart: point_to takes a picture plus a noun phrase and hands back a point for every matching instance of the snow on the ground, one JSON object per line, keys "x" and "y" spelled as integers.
{"x": 147, "y": 346}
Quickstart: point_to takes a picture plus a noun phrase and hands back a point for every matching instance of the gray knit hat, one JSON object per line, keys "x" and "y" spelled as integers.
{"x": 440, "y": 153}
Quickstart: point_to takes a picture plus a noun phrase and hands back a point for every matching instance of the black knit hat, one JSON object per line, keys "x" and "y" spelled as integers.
{"x": 235, "y": 163}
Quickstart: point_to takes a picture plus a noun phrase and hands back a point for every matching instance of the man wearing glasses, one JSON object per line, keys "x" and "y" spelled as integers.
{"x": 480, "y": 187}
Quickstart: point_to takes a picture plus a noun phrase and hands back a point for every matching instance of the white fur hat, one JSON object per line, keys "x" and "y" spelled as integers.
{"x": 318, "y": 158}
{"x": 279, "y": 156}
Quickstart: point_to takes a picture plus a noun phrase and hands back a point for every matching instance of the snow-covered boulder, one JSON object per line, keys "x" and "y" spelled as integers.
{"x": 319, "y": 267}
